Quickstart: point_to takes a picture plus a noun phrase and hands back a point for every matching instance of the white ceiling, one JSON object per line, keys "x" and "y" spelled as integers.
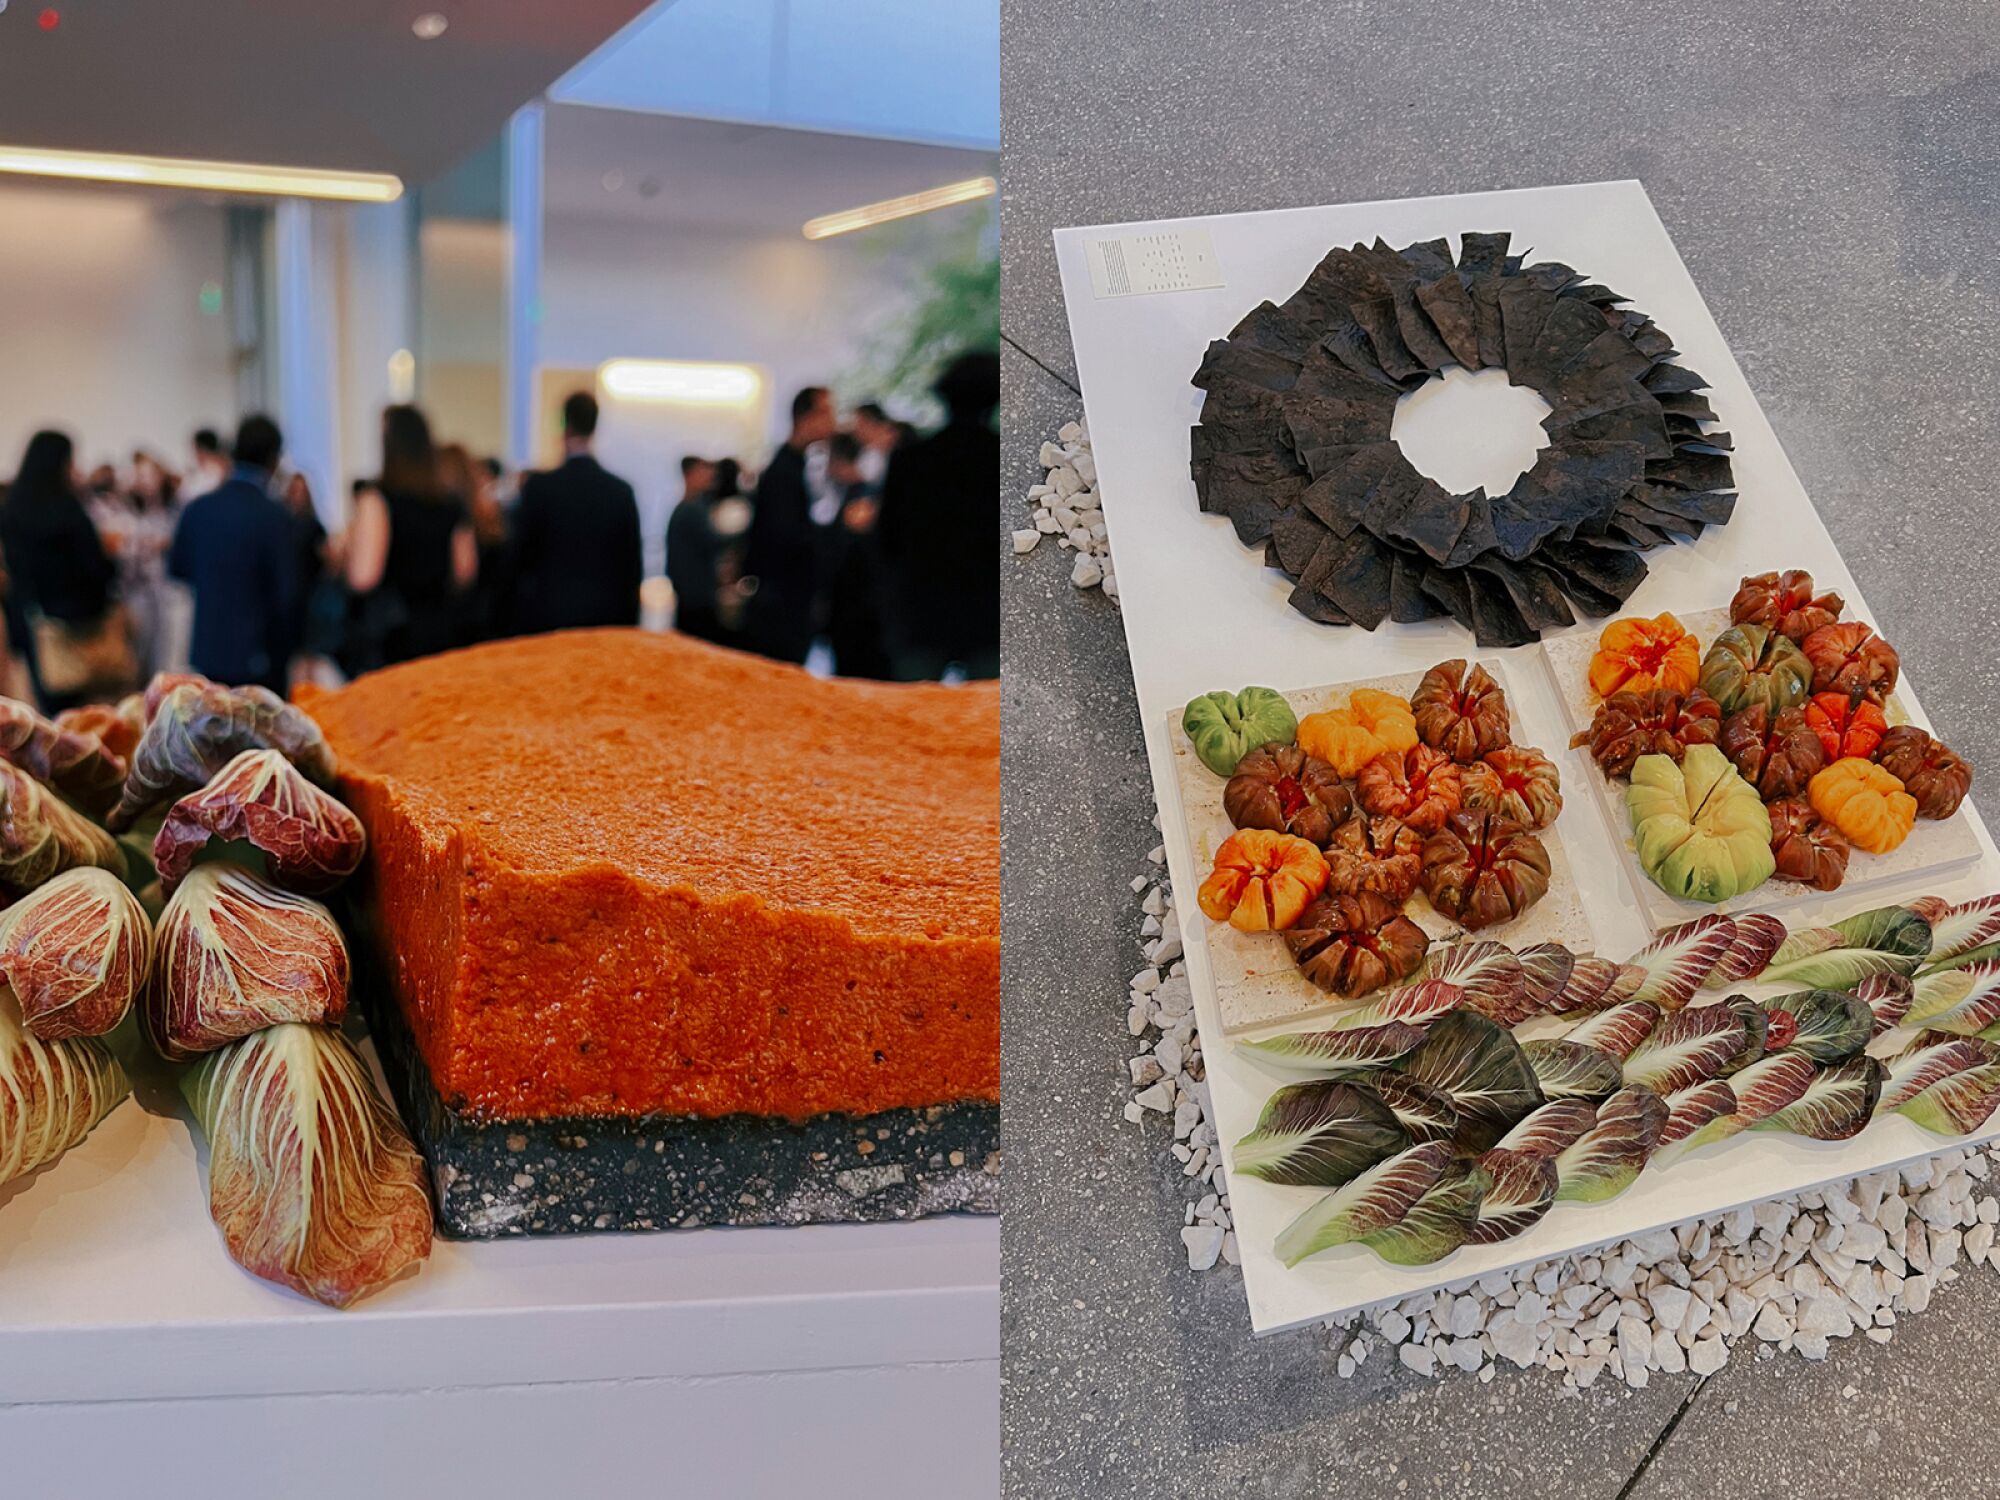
{"x": 326, "y": 83}
{"x": 704, "y": 174}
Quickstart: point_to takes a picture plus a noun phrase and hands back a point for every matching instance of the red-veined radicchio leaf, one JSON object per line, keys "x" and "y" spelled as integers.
{"x": 1602, "y": 1162}
{"x": 234, "y": 954}
{"x": 1946, "y": 1083}
{"x": 310, "y": 842}
{"x": 75, "y": 952}
{"x": 1481, "y": 1067}
{"x": 77, "y": 764}
{"x": 1415, "y": 1004}
{"x": 1597, "y": 984}
{"x": 1487, "y": 972}
{"x": 1681, "y": 959}
{"x": 1375, "y": 1200}
{"x": 1318, "y": 1135}
{"x": 1699, "y": 1113}
{"x": 1887, "y": 940}
{"x": 1957, "y": 930}
{"x": 1426, "y": 1113}
{"x": 1545, "y": 973}
{"x": 1889, "y": 997}
{"x": 41, "y": 835}
{"x": 1615, "y": 1032}
{"x": 1571, "y": 1070}
{"x": 1836, "y": 1103}
{"x": 311, "y": 1178}
{"x": 1330, "y": 1054}
{"x": 1519, "y": 1190}
{"x": 51, "y": 1093}
{"x": 199, "y": 728}
{"x": 1686, "y": 1047}
{"x": 1438, "y": 1222}
{"x": 1756, "y": 938}
{"x": 1771, "y": 1083}
{"x": 1550, "y": 1130}
{"x": 1965, "y": 1000}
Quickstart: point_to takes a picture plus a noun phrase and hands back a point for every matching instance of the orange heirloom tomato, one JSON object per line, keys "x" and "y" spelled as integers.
{"x": 1373, "y": 723}
{"x": 1262, "y": 880}
{"x": 1848, "y": 727}
{"x": 1866, "y": 803}
{"x": 1637, "y": 656}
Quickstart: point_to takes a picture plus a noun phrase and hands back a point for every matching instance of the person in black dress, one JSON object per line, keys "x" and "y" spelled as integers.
{"x": 783, "y": 552}
{"x": 411, "y": 554}
{"x": 57, "y": 568}
{"x": 577, "y": 553}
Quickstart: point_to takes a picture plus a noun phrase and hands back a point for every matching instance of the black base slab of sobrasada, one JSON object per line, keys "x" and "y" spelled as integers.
{"x": 572, "y": 1175}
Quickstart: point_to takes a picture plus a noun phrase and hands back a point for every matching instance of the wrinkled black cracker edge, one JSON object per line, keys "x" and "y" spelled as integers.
{"x": 1299, "y": 398}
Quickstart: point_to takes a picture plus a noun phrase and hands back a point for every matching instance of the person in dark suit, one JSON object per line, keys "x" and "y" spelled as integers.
{"x": 576, "y": 538}
{"x": 234, "y": 548}
{"x": 783, "y": 551}
{"x": 936, "y": 532}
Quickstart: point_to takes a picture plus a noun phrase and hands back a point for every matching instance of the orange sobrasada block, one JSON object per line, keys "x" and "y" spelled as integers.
{"x": 615, "y": 873}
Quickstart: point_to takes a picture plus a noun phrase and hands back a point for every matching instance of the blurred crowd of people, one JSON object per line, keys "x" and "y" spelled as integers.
{"x": 868, "y": 537}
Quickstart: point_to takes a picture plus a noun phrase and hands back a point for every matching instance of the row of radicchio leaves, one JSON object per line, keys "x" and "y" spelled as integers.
{"x": 313, "y": 1181}
{"x": 1436, "y": 1128}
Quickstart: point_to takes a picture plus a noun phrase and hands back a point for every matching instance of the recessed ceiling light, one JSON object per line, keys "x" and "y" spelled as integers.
{"x": 212, "y": 176}
{"x": 900, "y": 208}
{"x": 429, "y": 26}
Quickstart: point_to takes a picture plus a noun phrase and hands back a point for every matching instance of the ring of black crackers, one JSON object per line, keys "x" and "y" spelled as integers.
{"x": 1294, "y": 447}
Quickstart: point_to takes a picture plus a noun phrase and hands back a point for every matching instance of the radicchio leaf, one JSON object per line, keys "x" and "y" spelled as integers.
{"x": 1756, "y": 1031}
{"x": 310, "y": 842}
{"x": 1889, "y": 996}
{"x": 77, "y": 764}
{"x": 1426, "y": 1113}
{"x": 1685, "y": 1048}
{"x": 41, "y": 835}
{"x": 1571, "y": 1070}
{"x": 1825, "y": 1025}
{"x": 75, "y": 952}
{"x": 1379, "y": 1198}
{"x": 311, "y": 1178}
{"x": 51, "y": 1093}
{"x": 1835, "y": 1105}
{"x": 1550, "y": 1130}
{"x": 1519, "y": 1190}
{"x": 1318, "y": 1135}
{"x": 1415, "y": 1004}
{"x": 235, "y": 954}
{"x": 1486, "y": 972}
{"x": 1481, "y": 1067}
{"x": 1438, "y": 1222}
{"x": 1681, "y": 958}
{"x": 198, "y": 728}
{"x": 1697, "y": 1114}
{"x": 1545, "y": 972}
{"x": 1770, "y": 1084}
{"x": 1617, "y": 1031}
{"x": 1958, "y": 930}
{"x": 1756, "y": 939}
{"x": 1965, "y": 1000}
{"x": 1946, "y": 1083}
{"x": 1597, "y": 983}
{"x": 1888, "y": 940}
{"x": 1602, "y": 1162}
{"x": 1332, "y": 1054}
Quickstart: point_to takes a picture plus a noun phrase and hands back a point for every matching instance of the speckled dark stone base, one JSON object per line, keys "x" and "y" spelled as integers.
{"x": 574, "y": 1175}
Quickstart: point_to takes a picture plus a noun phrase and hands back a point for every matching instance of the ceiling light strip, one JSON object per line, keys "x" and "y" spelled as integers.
{"x": 683, "y": 381}
{"x": 900, "y": 208}
{"x": 211, "y": 176}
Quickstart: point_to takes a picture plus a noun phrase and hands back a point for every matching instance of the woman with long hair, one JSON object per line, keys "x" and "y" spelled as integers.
{"x": 411, "y": 554}
{"x": 59, "y": 600}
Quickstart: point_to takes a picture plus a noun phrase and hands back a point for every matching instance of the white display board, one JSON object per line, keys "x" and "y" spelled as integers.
{"x": 1202, "y": 612}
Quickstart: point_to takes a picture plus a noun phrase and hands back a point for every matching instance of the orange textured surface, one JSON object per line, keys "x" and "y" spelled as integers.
{"x": 619, "y": 873}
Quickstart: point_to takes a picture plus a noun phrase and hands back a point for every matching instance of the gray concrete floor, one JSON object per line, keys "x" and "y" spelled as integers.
{"x": 1829, "y": 173}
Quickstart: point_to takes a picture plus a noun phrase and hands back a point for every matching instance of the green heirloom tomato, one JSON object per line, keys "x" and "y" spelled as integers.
{"x": 1700, "y": 830}
{"x": 1225, "y": 727}
{"x": 1749, "y": 665}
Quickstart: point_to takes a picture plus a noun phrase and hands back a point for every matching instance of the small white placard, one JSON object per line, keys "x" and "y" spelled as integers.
{"x": 1166, "y": 260}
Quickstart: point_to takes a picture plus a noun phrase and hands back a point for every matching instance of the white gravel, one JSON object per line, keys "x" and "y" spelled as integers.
{"x": 1064, "y": 507}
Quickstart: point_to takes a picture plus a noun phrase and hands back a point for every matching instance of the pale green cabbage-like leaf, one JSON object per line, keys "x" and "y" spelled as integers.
{"x": 1888, "y": 940}
{"x": 1617, "y": 1031}
{"x": 1686, "y": 1047}
{"x": 1965, "y": 1000}
{"x": 1571, "y": 1070}
{"x": 1376, "y": 1200}
{"x": 1520, "y": 1188}
{"x": 1835, "y": 1105}
{"x": 1319, "y": 1135}
{"x": 1333, "y": 1054}
{"x": 311, "y": 1178}
{"x": 1481, "y": 1067}
{"x": 1602, "y": 1162}
{"x": 52, "y": 1094}
{"x": 1946, "y": 1083}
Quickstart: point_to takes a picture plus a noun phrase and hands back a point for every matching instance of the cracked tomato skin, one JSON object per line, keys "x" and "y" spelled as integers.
{"x": 1805, "y": 847}
{"x": 1848, "y": 727}
{"x": 1639, "y": 655}
{"x": 1784, "y": 602}
{"x": 1629, "y": 725}
{"x": 1935, "y": 775}
{"x": 1461, "y": 713}
{"x": 1519, "y": 784}
{"x": 1421, "y": 787}
{"x": 1371, "y": 724}
{"x": 1382, "y": 856}
{"x": 1866, "y": 803}
{"x": 1352, "y": 945}
{"x": 1699, "y": 830}
{"x": 1282, "y": 788}
{"x": 1851, "y": 658}
{"x": 1777, "y": 754}
{"x": 1750, "y": 664}
{"x": 1262, "y": 880}
{"x": 1481, "y": 869}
